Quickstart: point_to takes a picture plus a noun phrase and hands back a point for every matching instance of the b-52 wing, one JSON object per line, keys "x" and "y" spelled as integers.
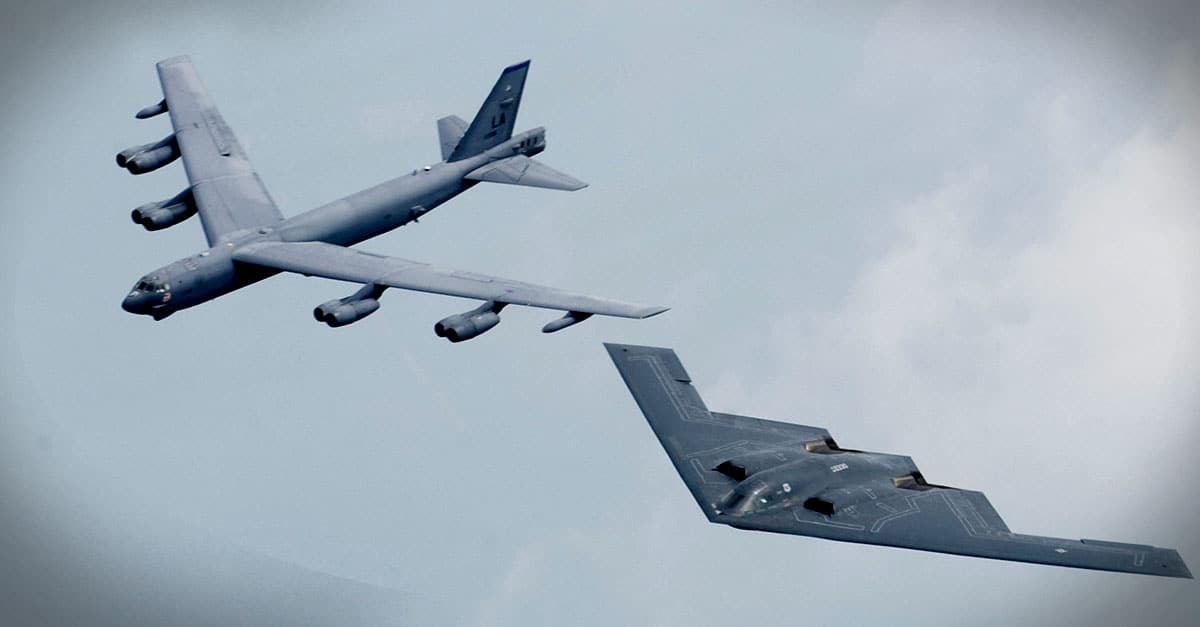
{"x": 225, "y": 189}
{"x": 774, "y": 476}
{"x": 349, "y": 264}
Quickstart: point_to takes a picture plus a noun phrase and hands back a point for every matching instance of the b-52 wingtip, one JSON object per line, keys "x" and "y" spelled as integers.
{"x": 766, "y": 475}
{"x": 650, "y": 312}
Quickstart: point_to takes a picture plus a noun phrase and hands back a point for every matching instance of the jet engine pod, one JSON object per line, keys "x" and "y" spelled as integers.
{"x": 149, "y": 157}
{"x": 465, "y": 326}
{"x": 462, "y": 327}
{"x": 124, "y": 156}
{"x": 152, "y": 160}
{"x": 336, "y": 313}
{"x": 342, "y": 311}
{"x": 326, "y": 309}
{"x": 155, "y": 216}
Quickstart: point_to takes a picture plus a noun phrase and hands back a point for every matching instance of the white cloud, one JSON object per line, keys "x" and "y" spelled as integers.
{"x": 1056, "y": 350}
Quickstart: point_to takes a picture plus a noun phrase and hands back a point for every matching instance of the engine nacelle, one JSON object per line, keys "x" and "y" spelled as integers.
{"x": 149, "y": 157}
{"x": 465, "y": 326}
{"x": 461, "y": 327}
{"x": 342, "y": 311}
{"x": 152, "y": 160}
{"x": 155, "y": 216}
{"x": 336, "y": 313}
{"x": 124, "y": 156}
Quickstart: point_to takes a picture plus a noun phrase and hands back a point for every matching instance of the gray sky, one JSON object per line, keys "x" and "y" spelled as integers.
{"x": 966, "y": 235}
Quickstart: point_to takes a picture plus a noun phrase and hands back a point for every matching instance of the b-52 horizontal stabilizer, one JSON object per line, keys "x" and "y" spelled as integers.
{"x": 774, "y": 476}
{"x": 521, "y": 170}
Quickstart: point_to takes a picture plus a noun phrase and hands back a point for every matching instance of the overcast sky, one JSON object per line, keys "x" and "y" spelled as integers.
{"x": 970, "y": 236}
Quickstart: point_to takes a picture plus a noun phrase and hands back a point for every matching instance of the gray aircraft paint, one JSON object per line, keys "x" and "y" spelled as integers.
{"x": 766, "y": 475}
{"x": 250, "y": 240}
{"x": 344, "y": 96}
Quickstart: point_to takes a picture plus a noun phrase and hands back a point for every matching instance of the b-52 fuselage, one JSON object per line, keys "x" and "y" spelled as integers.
{"x": 249, "y": 240}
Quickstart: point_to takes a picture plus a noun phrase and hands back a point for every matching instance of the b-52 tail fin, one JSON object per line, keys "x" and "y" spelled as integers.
{"x": 493, "y": 124}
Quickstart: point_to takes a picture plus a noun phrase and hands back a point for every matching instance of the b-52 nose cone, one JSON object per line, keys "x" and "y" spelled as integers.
{"x": 134, "y": 303}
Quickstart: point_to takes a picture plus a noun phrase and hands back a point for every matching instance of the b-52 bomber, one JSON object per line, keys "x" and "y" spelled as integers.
{"x": 765, "y": 475}
{"x": 249, "y": 240}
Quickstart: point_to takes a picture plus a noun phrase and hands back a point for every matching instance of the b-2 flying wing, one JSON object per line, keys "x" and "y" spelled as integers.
{"x": 765, "y": 475}
{"x": 249, "y": 240}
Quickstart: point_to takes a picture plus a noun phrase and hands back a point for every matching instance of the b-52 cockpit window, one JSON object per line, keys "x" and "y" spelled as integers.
{"x": 152, "y": 286}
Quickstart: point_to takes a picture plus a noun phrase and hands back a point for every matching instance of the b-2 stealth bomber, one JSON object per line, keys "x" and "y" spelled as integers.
{"x": 249, "y": 240}
{"x": 765, "y": 475}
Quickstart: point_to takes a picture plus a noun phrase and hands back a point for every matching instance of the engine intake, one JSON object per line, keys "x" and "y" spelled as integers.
{"x": 464, "y": 326}
{"x": 335, "y": 313}
{"x": 156, "y": 216}
{"x": 342, "y": 311}
{"x": 149, "y": 157}
{"x": 124, "y": 156}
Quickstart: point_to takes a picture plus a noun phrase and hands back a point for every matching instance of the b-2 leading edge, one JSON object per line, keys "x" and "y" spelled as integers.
{"x": 249, "y": 240}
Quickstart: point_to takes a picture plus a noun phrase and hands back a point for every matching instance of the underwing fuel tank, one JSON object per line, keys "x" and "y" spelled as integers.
{"x": 152, "y": 110}
{"x": 571, "y": 318}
